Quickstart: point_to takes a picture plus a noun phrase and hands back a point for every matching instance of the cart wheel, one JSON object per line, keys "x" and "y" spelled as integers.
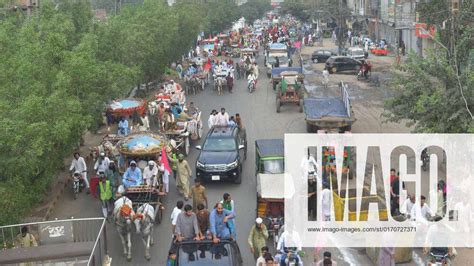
{"x": 199, "y": 131}
{"x": 158, "y": 214}
{"x": 186, "y": 146}
{"x": 278, "y": 104}
{"x": 300, "y": 103}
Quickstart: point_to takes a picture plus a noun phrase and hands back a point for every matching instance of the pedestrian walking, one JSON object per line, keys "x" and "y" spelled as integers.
{"x": 102, "y": 163}
{"x": 212, "y": 119}
{"x": 105, "y": 193}
{"x": 198, "y": 194}
{"x": 183, "y": 172}
{"x": 257, "y": 238}
{"x": 113, "y": 175}
{"x": 326, "y": 202}
{"x": 174, "y": 215}
{"x": 230, "y": 82}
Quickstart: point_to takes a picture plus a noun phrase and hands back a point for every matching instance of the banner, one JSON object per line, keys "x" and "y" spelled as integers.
{"x": 380, "y": 190}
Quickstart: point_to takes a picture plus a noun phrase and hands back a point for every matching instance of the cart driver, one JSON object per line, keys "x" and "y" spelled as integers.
{"x": 133, "y": 176}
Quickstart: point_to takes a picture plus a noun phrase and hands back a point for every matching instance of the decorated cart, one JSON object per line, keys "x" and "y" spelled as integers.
{"x": 126, "y": 108}
{"x": 142, "y": 148}
{"x": 179, "y": 135}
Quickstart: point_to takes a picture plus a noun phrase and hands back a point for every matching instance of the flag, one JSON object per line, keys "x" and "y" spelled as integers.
{"x": 297, "y": 45}
{"x": 164, "y": 160}
{"x": 283, "y": 85}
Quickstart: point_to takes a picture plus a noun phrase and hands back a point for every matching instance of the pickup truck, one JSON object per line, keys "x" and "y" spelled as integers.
{"x": 329, "y": 112}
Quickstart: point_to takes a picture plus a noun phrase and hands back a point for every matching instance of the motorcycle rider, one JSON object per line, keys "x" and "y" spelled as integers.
{"x": 79, "y": 165}
{"x": 294, "y": 248}
{"x": 252, "y": 79}
{"x": 439, "y": 231}
{"x": 364, "y": 68}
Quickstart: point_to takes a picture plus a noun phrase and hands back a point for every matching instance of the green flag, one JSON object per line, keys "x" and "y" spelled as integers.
{"x": 283, "y": 85}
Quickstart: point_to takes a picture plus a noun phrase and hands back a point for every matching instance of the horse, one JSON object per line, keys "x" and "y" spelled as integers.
{"x": 124, "y": 214}
{"x": 144, "y": 224}
{"x": 189, "y": 84}
{"x": 219, "y": 83}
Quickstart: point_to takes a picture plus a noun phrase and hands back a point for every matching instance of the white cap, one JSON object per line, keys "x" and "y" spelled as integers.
{"x": 258, "y": 220}
{"x": 102, "y": 154}
{"x": 151, "y": 163}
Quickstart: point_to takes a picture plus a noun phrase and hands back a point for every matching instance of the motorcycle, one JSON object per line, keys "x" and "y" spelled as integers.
{"x": 251, "y": 85}
{"x": 361, "y": 75}
{"x": 439, "y": 257}
{"x": 291, "y": 257}
{"x": 273, "y": 226}
{"x": 77, "y": 184}
{"x": 425, "y": 160}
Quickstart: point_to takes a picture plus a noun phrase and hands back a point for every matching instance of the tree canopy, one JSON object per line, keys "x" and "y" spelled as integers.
{"x": 436, "y": 92}
{"x": 59, "y": 67}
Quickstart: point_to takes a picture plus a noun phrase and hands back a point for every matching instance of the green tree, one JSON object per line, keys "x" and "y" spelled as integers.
{"x": 435, "y": 93}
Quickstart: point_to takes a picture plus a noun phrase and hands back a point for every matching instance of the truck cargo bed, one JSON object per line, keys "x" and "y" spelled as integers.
{"x": 318, "y": 108}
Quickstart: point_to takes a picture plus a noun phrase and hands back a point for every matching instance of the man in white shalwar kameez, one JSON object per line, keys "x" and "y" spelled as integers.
{"x": 150, "y": 174}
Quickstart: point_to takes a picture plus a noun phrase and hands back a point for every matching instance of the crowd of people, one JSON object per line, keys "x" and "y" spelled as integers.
{"x": 196, "y": 222}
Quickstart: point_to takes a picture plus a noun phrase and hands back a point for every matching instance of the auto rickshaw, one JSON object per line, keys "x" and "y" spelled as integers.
{"x": 270, "y": 202}
{"x": 270, "y": 184}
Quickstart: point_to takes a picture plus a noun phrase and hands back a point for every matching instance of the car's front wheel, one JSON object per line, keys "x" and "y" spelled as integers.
{"x": 238, "y": 179}
{"x": 315, "y": 60}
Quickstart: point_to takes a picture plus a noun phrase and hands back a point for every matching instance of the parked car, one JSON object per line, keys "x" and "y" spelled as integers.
{"x": 320, "y": 56}
{"x": 222, "y": 155}
{"x": 205, "y": 252}
{"x": 356, "y": 53}
{"x": 342, "y": 63}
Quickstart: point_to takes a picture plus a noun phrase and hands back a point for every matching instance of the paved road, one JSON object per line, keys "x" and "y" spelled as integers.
{"x": 261, "y": 121}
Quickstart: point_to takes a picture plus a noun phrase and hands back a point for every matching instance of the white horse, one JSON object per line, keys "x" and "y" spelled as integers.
{"x": 124, "y": 214}
{"x": 219, "y": 85}
{"x": 144, "y": 224}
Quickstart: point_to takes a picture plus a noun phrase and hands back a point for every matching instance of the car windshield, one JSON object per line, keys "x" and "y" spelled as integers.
{"x": 205, "y": 255}
{"x": 219, "y": 144}
{"x": 357, "y": 52}
{"x": 282, "y": 59}
{"x": 276, "y": 166}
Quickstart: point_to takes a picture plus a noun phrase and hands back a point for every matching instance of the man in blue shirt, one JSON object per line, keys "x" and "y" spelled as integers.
{"x": 218, "y": 221}
{"x": 123, "y": 127}
{"x": 133, "y": 176}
